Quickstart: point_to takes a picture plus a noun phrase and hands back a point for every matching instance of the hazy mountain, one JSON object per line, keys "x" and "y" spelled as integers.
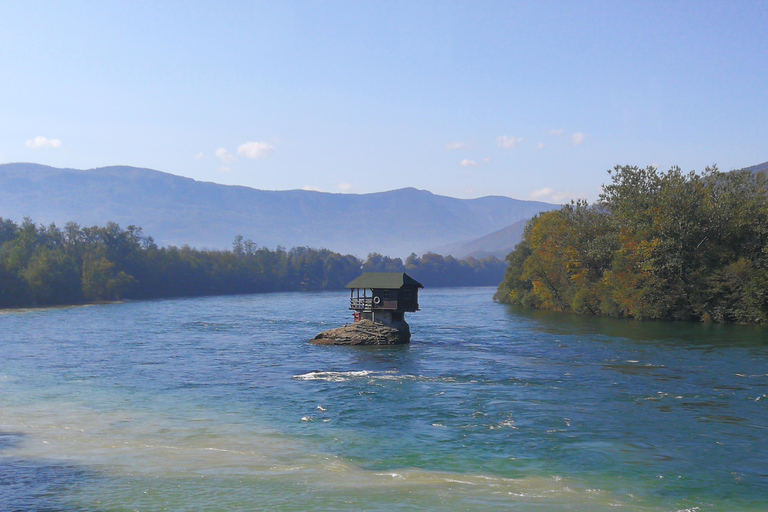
{"x": 499, "y": 243}
{"x": 177, "y": 210}
{"x": 757, "y": 168}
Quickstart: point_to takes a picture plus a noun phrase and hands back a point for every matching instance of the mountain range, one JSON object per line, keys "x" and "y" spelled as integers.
{"x": 181, "y": 211}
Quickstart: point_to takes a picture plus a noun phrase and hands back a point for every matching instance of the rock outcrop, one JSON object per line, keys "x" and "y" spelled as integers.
{"x": 366, "y": 332}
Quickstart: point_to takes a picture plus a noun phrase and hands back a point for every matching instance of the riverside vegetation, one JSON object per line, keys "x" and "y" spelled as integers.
{"x": 41, "y": 266}
{"x": 654, "y": 246}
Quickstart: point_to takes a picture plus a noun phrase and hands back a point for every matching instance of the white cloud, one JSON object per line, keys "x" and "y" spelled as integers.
{"x": 540, "y": 145}
{"x": 556, "y": 132}
{"x": 508, "y": 142}
{"x": 43, "y": 142}
{"x": 311, "y": 188}
{"x": 255, "y": 150}
{"x": 225, "y": 156}
{"x": 224, "y": 169}
{"x": 345, "y": 187}
{"x": 199, "y": 156}
{"x": 468, "y": 163}
{"x": 487, "y": 160}
{"x": 250, "y": 149}
{"x": 456, "y": 145}
{"x": 578, "y": 138}
{"x": 551, "y": 195}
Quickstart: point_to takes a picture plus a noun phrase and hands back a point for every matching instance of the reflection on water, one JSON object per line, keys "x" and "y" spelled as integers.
{"x": 221, "y": 404}
{"x": 692, "y": 335}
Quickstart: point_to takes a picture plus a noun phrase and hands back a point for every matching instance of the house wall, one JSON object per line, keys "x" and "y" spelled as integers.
{"x": 393, "y": 299}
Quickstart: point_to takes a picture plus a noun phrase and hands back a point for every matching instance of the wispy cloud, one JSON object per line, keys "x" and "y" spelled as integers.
{"x": 468, "y": 163}
{"x": 43, "y": 142}
{"x": 540, "y": 145}
{"x": 199, "y": 156}
{"x": 225, "y": 156}
{"x": 224, "y": 170}
{"x": 311, "y": 188}
{"x": 507, "y": 142}
{"x": 345, "y": 187}
{"x": 255, "y": 150}
{"x": 487, "y": 160}
{"x": 578, "y": 138}
{"x": 557, "y": 132}
{"x": 551, "y": 195}
{"x": 456, "y": 145}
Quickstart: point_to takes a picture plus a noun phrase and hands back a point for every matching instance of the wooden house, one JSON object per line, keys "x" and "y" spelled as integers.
{"x": 384, "y": 296}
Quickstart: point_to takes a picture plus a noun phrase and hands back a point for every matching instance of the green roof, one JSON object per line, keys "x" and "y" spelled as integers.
{"x": 385, "y": 280}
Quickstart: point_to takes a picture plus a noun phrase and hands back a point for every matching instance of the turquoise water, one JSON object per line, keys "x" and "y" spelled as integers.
{"x": 220, "y": 403}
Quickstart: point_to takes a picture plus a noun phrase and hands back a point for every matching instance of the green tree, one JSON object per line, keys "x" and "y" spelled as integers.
{"x": 100, "y": 280}
{"x": 53, "y": 277}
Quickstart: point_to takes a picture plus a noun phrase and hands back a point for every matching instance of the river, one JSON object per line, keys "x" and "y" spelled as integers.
{"x": 220, "y": 403}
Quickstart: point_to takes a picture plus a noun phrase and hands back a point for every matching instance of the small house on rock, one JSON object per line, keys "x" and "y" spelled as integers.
{"x": 383, "y": 297}
{"x": 379, "y": 301}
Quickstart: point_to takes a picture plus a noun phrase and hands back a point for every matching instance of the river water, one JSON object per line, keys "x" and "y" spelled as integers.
{"x": 220, "y": 403}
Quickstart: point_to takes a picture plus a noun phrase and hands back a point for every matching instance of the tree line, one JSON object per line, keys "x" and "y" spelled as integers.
{"x": 656, "y": 245}
{"x": 49, "y": 265}
{"x": 436, "y": 270}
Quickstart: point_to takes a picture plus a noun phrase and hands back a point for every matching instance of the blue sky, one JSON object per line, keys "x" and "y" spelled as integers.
{"x": 532, "y": 100}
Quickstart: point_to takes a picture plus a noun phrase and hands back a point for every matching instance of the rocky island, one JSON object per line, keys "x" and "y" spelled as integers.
{"x": 366, "y": 332}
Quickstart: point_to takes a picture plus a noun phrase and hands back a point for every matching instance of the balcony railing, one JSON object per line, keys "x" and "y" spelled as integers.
{"x": 368, "y": 304}
{"x": 361, "y": 303}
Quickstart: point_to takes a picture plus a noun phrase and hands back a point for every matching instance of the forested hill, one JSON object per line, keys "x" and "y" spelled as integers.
{"x": 181, "y": 211}
{"x": 656, "y": 245}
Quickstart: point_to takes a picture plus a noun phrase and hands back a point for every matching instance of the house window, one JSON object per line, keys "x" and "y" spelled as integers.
{"x": 385, "y": 294}
{"x": 406, "y": 294}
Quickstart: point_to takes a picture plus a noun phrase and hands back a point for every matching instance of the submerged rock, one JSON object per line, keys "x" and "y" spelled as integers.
{"x": 366, "y": 332}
